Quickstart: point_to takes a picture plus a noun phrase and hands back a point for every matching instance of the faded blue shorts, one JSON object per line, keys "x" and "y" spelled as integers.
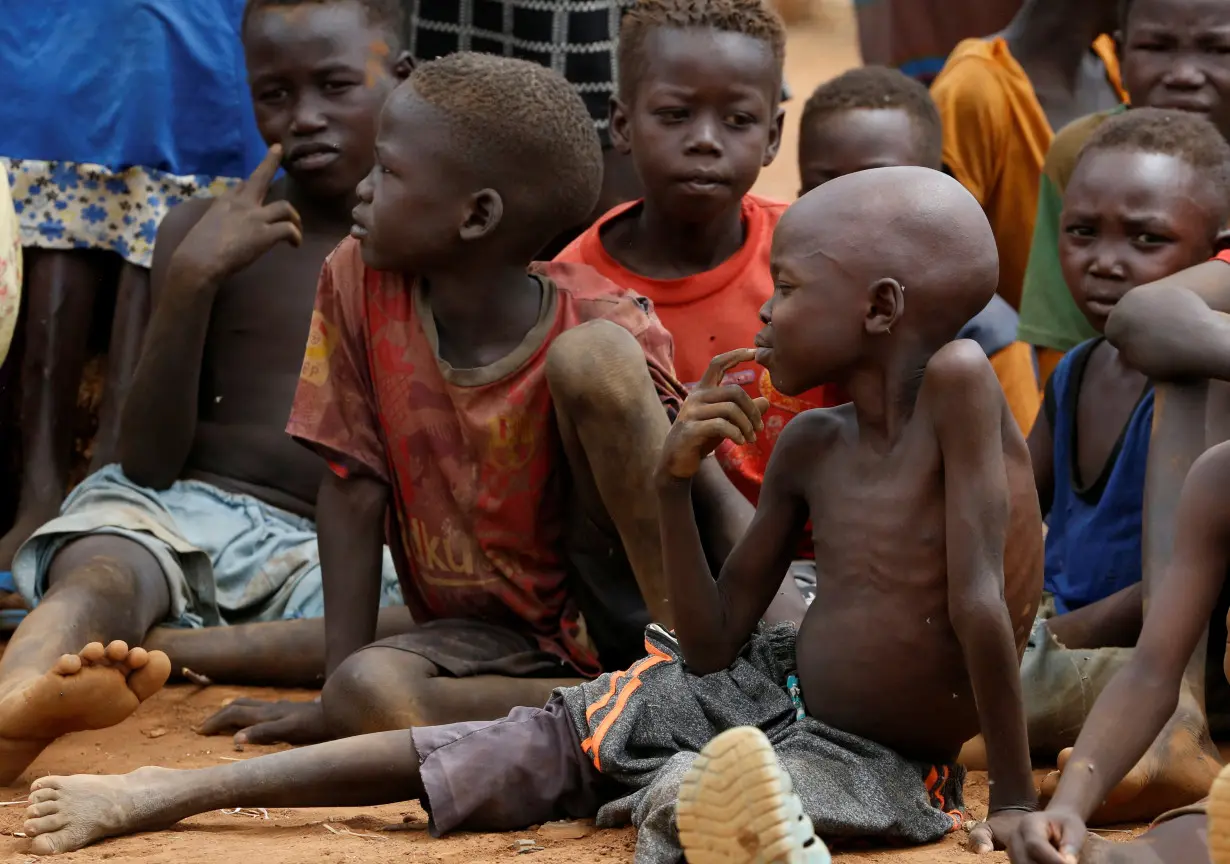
{"x": 227, "y": 558}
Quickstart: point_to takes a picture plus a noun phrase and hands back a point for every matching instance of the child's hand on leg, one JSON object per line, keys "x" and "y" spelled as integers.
{"x": 713, "y": 412}
{"x": 1052, "y": 836}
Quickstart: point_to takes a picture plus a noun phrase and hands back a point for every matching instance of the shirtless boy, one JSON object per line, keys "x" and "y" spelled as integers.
{"x": 206, "y": 466}
{"x": 920, "y": 491}
{"x": 873, "y": 117}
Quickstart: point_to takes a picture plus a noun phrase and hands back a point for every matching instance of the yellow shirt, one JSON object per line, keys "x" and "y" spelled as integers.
{"x": 995, "y": 140}
{"x": 10, "y": 265}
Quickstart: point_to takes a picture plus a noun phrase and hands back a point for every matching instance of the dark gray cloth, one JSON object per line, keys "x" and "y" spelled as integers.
{"x": 643, "y": 728}
{"x": 994, "y": 328}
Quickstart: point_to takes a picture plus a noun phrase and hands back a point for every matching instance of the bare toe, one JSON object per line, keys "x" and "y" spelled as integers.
{"x": 45, "y": 783}
{"x": 68, "y": 664}
{"x": 93, "y": 653}
{"x": 46, "y": 808}
{"x": 150, "y": 677}
{"x": 136, "y": 658}
{"x": 39, "y": 795}
{"x": 117, "y": 651}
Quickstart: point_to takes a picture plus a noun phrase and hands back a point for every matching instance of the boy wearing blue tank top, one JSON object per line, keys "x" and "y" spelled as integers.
{"x": 1137, "y": 209}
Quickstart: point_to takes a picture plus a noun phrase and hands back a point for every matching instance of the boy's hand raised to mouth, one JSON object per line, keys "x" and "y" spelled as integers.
{"x": 712, "y": 412}
{"x": 240, "y": 227}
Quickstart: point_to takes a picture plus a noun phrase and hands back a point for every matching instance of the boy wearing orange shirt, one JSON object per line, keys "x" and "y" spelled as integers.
{"x": 1001, "y": 98}
{"x": 699, "y": 126}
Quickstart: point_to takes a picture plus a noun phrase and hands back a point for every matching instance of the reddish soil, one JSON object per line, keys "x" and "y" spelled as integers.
{"x": 160, "y": 733}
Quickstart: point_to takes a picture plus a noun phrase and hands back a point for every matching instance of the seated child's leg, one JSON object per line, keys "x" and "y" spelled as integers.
{"x": 61, "y": 286}
{"x": 613, "y": 425}
{"x": 1185, "y": 839}
{"x": 521, "y": 770}
{"x": 390, "y": 685}
{"x": 67, "y": 813}
{"x": 101, "y": 588}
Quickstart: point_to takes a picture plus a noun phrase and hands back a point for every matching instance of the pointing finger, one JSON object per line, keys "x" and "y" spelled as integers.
{"x": 257, "y": 185}
{"x": 723, "y": 363}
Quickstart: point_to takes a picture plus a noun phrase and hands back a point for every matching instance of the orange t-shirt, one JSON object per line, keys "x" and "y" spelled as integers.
{"x": 714, "y": 312}
{"x": 472, "y": 456}
{"x": 995, "y": 140}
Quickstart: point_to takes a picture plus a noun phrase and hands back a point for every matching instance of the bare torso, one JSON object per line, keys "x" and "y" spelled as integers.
{"x": 877, "y": 654}
{"x": 253, "y": 354}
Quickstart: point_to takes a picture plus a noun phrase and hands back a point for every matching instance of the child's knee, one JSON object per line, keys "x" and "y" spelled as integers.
{"x": 376, "y": 690}
{"x": 596, "y": 365}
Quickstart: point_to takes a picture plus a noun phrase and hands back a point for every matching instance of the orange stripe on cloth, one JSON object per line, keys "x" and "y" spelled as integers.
{"x": 592, "y": 744}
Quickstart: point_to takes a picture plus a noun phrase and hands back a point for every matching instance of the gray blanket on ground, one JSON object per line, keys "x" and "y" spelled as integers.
{"x": 850, "y": 787}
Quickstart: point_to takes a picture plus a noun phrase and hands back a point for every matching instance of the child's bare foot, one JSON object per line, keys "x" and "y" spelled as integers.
{"x": 92, "y": 690}
{"x": 1178, "y": 770}
{"x": 67, "y": 813}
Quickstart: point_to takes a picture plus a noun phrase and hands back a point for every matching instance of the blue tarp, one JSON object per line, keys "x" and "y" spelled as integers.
{"x": 157, "y": 83}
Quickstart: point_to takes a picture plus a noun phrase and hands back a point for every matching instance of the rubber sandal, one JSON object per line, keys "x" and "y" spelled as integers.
{"x": 737, "y": 806}
{"x": 1219, "y": 818}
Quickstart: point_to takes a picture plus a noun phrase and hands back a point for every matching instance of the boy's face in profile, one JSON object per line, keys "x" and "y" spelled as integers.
{"x": 843, "y": 142}
{"x": 702, "y": 119}
{"x": 1176, "y": 54}
{"x": 318, "y": 75}
{"x": 1130, "y": 218}
{"x": 813, "y": 322}
{"x": 401, "y": 220}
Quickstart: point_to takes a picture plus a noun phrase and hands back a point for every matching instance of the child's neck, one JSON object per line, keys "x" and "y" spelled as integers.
{"x": 320, "y": 216}
{"x": 1055, "y": 35}
{"x": 884, "y": 396}
{"x": 660, "y": 247}
{"x": 482, "y": 312}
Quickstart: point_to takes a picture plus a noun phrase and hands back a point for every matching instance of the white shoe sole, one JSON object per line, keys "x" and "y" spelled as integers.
{"x": 737, "y": 806}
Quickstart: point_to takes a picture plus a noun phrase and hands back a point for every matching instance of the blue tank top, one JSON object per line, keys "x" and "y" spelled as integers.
{"x": 1093, "y": 541}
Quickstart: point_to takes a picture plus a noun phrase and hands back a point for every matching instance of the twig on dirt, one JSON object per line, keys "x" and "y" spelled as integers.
{"x": 195, "y": 677}
{"x": 14, "y": 803}
{"x": 232, "y": 759}
{"x": 19, "y": 834}
{"x": 254, "y": 812}
{"x": 346, "y": 831}
{"x": 1110, "y": 830}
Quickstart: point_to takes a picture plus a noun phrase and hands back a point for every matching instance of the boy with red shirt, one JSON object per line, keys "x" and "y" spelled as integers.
{"x": 699, "y": 127}
{"x": 500, "y": 424}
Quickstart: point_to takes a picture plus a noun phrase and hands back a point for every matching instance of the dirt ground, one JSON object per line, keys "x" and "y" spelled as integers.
{"x": 160, "y": 733}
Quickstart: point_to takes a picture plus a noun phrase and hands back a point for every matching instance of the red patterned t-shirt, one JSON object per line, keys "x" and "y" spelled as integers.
{"x": 473, "y": 456}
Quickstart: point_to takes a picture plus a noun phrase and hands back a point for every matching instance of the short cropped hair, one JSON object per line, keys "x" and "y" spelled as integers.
{"x": 388, "y": 15}
{"x": 526, "y": 128}
{"x": 1181, "y": 134}
{"x": 878, "y": 87}
{"x": 754, "y": 18}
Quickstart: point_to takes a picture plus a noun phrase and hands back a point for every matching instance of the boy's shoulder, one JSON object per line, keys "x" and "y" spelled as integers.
{"x": 972, "y": 58}
{"x": 587, "y": 295}
{"x": 771, "y": 207}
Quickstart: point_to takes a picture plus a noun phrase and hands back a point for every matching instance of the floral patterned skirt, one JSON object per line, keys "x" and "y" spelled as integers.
{"x": 71, "y": 205}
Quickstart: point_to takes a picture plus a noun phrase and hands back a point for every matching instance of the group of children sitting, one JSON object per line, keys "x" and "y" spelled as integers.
{"x": 808, "y": 626}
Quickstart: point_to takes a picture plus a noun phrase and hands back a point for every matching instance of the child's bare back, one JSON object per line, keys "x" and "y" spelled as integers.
{"x": 878, "y": 641}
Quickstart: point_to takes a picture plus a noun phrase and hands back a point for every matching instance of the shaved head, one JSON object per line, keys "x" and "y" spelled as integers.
{"x": 870, "y": 265}
{"x": 914, "y": 225}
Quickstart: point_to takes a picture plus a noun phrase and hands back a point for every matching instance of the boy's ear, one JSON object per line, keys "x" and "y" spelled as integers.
{"x": 775, "y": 137}
{"x": 885, "y": 307}
{"x": 484, "y": 212}
{"x": 620, "y": 139}
{"x": 403, "y": 66}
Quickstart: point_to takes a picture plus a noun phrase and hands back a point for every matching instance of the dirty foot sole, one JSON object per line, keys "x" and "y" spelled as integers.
{"x": 737, "y": 806}
{"x": 1219, "y": 818}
